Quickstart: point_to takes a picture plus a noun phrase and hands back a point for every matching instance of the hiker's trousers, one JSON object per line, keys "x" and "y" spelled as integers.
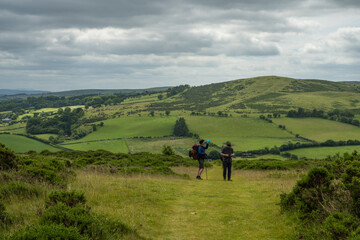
{"x": 227, "y": 168}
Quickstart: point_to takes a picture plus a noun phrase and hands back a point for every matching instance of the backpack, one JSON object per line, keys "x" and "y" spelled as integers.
{"x": 194, "y": 152}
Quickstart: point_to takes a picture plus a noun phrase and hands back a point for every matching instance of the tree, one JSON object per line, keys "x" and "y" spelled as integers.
{"x": 152, "y": 113}
{"x": 160, "y": 97}
{"x": 181, "y": 129}
{"x": 167, "y": 112}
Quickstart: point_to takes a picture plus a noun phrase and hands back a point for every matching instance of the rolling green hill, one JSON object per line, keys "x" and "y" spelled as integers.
{"x": 265, "y": 94}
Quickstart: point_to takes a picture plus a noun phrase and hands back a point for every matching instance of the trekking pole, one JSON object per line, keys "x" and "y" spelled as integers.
{"x": 206, "y": 172}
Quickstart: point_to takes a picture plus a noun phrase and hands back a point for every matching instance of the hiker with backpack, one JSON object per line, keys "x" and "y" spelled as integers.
{"x": 227, "y": 153}
{"x": 201, "y": 156}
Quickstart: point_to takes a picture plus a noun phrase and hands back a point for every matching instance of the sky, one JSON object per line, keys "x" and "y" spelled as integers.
{"x": 90, "y": 44}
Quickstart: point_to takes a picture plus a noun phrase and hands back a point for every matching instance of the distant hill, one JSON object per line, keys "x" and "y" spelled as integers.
{"x": 265, "y": 94}
{"x": 72, "y": 93}
{"x": 351, "y": 82}
{"x": 23, "y": 92}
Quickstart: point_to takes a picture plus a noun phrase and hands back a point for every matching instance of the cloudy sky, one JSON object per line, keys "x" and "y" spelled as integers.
{"x": 76, "y": 44}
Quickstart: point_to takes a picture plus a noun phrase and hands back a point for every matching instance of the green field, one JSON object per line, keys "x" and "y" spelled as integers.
{"x": 132, "y": 127}
{"x": 244, "y": 133}
{"x": 118, "y": 145}
{"x": 323, "y": 152}
{"x": 173, "y": 208}
{"x": 14, "y": 128}
{"x": 22, "y": 144}
{"x": 320, "y": 129}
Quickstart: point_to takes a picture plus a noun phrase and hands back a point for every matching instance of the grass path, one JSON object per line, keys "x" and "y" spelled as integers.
{"x": 173, "y": 208}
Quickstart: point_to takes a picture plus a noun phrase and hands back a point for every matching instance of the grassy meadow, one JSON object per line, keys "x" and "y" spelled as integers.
{"x": 160, "y": 207}
{"x": 244, "y": 133}
{"x": 18, "y": 128}
{"x": 129, "y": 127}
{"x": 115, "y": 145}
{"x": 22, "y": 144}
{"x": 323, "y": 152}
{"x": 320, "y": 129}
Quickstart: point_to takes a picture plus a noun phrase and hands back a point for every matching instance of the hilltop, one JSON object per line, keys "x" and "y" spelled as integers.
{"x": 269, "y": 93}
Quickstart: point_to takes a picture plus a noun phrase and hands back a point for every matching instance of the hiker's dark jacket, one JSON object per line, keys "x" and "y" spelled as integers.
{"x": 227, "y": 150}
{"x": 201, "y": 151}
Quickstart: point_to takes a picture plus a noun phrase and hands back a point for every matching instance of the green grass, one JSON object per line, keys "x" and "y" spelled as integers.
{"x": 14, "y": 128}
{"x": 323, "y": 152}
{"x": 132, "y": 127}
{"x": 320, "y": 129}
{"x": 244, "y": 133}
{"x": 45, "y": 136}
{"x": 23, "y": 144}
{"x": 173, "y": 208}
{"x": 118, "y": 145}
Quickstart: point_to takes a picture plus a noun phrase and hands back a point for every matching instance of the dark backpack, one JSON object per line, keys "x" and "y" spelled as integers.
{"x": 194, "y": 152}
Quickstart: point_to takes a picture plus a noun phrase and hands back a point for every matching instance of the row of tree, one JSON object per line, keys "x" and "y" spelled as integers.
{"x": 59, "y": 124}
{"x": 344, "y": 116}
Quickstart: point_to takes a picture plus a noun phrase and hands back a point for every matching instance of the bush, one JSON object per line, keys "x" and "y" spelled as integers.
{"x": 214, "y": 155}
{"x": 168, "y": 150}
{"x": 8, "y": 159}
{"x": 70, "y": 199}
{"x": 20, "y": 189}
{"x": 77, "y": 216}
{"x": 340, "y": 225}
{"x": 87, "y": 224}
{"x": 43, "y": 174}
{"x": 53, "y": 231}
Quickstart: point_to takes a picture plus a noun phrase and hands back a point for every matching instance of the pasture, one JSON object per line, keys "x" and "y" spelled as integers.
{"x": 21, "y": 144}
{"x": 320, "y": 129}
{"x": 244, "y": 133}
{"x": 114, "y": 145}
{"x": 160, "y": 207}
{"x": 14, "y": 128}
{"x": 323, "y": 152}
{"x": 129, "y": 127}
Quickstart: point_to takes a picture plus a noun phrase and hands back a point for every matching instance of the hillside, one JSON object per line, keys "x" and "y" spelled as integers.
{"x": 270, "y": 93}
{"x": 20, "y": 92}
{"x": 17, "y": 94}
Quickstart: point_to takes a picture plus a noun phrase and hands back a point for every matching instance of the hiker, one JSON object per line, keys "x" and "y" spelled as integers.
{"x": 227, "y": 153}
{"x": 201, "y": 157}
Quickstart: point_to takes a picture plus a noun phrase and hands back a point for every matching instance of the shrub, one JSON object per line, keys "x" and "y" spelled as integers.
{"x": 87, "y": 224}
{"x": 214, "y": 155}
{"x": 8, "y": 159}
{"x": 45, "y": 175}
{"x": 340, "y": 225}
{"x": 310, "y": 191}
{"x": 168, "y": 150}
{"x": 70, "y": 199}
{"x": 20, "y": 189}
{"x": 77, "y": 216}
{"x": 53, "y": 231}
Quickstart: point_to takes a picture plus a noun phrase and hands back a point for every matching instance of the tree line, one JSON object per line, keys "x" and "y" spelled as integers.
{"x": 59, "y": 124}
{"x": 344, "y": 116}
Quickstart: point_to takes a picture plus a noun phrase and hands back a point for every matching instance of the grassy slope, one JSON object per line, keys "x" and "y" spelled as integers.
{"x": 323, "y": 152}
{"x": 320, "y": 129}
{"x": 244, "y": 133}
{"x": 24, "y": 144}
{"x": 132, "y": 127}
{"x": 109, "y": 145}
{"x": 15, "y": 128}
{"x": 266, "y": 94}
{"x": 172, "y": 208}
